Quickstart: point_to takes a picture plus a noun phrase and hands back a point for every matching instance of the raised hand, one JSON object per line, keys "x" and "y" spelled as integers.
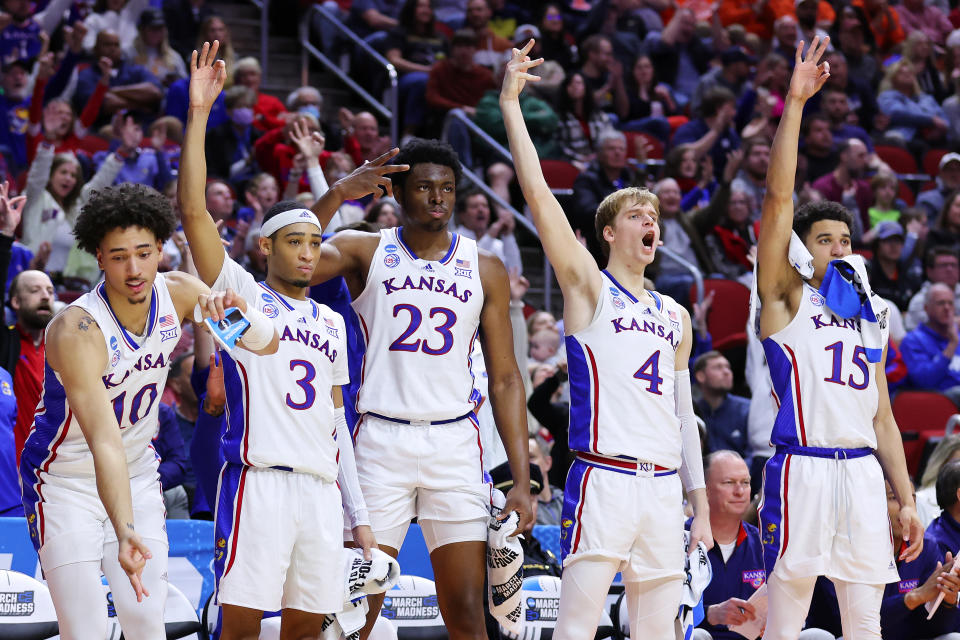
{"x": 370, "y": 177}
{"x": 809, "y": 74}
{"x": 105, "y": 65}
{"x": 207, "y": 75}
{"x": 74, "y": 36}
{"x": 517, "y": 72}
{"x": 45, "y": 67}
{"x": 309, "y": 144}
{"x": 10, "y": 210}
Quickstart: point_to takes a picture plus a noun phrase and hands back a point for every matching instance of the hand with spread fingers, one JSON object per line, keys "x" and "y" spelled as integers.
{"x": 809, "y": 74}
{"x": 207, "y": 75}
{"x": 517, "y": 72}
{"x": 370, "y": 177}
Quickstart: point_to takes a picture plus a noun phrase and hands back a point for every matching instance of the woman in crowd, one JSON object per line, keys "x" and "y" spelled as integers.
{"x": 384, "y": 213}
{"x": 151, "y": 48}
{"x": 732, "y": 242}
{"x": 946, "y": 230}
{"x": 912, "y": 112}
{"x": 650, "y": 102}
{"x": 581, "y": 123}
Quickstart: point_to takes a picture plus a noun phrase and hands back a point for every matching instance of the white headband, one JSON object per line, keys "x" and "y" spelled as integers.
{"x": 291, "y": 216}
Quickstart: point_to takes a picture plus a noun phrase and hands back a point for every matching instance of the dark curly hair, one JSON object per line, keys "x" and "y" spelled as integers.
{"x": 122, "y": 206}
{"x": 812, "y": 212}
{"x": 424, "y": 151}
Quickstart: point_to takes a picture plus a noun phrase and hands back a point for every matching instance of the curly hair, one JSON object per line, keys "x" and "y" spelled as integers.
{"x": 120, "y": 207}
{"x": 812, "y": 212}
{"x": 424, "y": 151}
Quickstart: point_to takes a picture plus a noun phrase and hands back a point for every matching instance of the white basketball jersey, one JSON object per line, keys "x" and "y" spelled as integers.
{"x": 279, "y": 409}
{"x": 419, "y": 319}
{"x": 135, "y": 376}
{"x": 622, "y": 370}
{"x": 824, "y": 384}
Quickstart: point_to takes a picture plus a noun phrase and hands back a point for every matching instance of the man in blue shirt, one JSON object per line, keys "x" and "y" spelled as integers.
{"x": 11, "y": 504}
{"x": 737, "y": 556}
{"x": 713, "y": 132}
{"x": 724, "y": 414}
{"x": 930, "y": 350}
{"x": 15, "y": 113}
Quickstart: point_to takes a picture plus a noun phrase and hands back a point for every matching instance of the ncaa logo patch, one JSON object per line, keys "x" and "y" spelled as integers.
{"x": 816, "y": 299}
{"x": 266, "y": 297}
{"x": 754, "y": 578}
{"x": 391, "y": 260}
{"x": 270, "y": 310}
{"x": 115, "y": 348}
{"x": 391, "y": 248}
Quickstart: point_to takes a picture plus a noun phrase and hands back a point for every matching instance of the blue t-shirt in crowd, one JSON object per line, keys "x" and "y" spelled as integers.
{"x": 11, "y": 504}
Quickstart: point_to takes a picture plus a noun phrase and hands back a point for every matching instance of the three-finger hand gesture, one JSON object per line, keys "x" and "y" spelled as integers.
{"x": 809, "y": 74}
{"x": 207, "y": 75}
{"x": 517, "y": 72}
{"x": 370, "y": 177}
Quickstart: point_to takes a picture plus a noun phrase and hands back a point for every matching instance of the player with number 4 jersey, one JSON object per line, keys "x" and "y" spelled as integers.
{"x": 289, "y": 482}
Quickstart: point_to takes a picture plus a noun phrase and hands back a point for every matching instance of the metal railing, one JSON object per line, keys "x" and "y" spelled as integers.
{"x": 264, "y": 6}
{"x": 688, "y": 266}
{"x": 388, "y": 109}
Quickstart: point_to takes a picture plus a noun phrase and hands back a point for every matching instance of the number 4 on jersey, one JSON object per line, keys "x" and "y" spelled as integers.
{"x": 650, "y": 371}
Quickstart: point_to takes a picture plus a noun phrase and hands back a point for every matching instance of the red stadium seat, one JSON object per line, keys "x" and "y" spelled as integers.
{"x": 900, "y": 160}
{"x": 656, "y": 151}
{"x": 931, "y": 161}
{"x": 727, "y": 319}
{"x": 924, "y": 413}
{"x": 559, "y": 174}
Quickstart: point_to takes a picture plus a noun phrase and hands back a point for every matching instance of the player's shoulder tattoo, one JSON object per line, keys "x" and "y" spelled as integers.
{"x": 85, "y": 321}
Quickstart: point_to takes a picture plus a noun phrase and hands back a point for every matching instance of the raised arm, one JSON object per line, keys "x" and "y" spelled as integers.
{"x": 775, "y": 277}
{"x": 207, "y": 75}
{"x": 75, "y": 350}
{"x": 576, "y": 270}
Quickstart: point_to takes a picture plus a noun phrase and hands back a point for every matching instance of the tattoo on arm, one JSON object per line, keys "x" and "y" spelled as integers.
{"x": 85, "y": 323}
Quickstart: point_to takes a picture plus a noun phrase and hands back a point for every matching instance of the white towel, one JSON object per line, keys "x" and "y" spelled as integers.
{"x": 360, "y": 579}
{"x": 697, "y": 575}
{"x": 847, "y": 292}
{"x": 504, "y": 568}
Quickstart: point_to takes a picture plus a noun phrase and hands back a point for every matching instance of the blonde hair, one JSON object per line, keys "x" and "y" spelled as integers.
{"x": 887, "y": 83}
{"x": 614, "y": 203}
{"x": 943, "y": 452}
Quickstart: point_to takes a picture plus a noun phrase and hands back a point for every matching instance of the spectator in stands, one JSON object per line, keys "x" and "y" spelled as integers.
{"x": 941, "y": 266}
{"x": 946, "y": 451}
{"x": 550, "y": 498}
{"x": 458, "y": 82}
{"x": 884, "y": 23}
{"x": 919, "y": 51}
{"x": 556, "y": 42}
{"x": 370, "y": 16}
{"x": 118, "y": 16}
{"x": 20, "y": 38}
{"x": 946, "y": 230}
{"x": 733, "y": 240}
{"x": 854, "y": 38}
{"x": 713, "y": 132}
{"x": 886, "y": 206}
{"x": 929, "y": 350}
{"x": 756, "y": 18}
{"x": 649, "y": 102}
{"x": 183, "y": 18}
{"x": 818, "y": 146}
{"x": 142, "y": 165}
{"x": 383, "y": 213}
{"x": 737, "y": 556}
{"x": 55, "y": 194}
{"x": 473, "y": 211}
{"x": 229, "y": 146}
{"x": 680, "y": 57}
{"x": 809, "y": 19}
{"x": 151, "y": 48}
{"x": 268, "y": 112}
{"x": 363, "y": 141}
{"x": 890, "y": 275}
{"x": 860, "y": 96}
{"x": 14, "y": 104}
{"x": 413, "y": 48}
{"x": 944, "y": 531}
{"x": 951, "y": 106}
{"x": 785, "y": 36}
{"x": 912, "y": 113}
{"x": 261, "y": 193}
{"x": 582, "y": 124}
{"x": 724, "y": 414}
{"x": 693, "y": 173}
{"x": 917, "y": 16}
{"x": 733, "y": 74}
{"x": 847, "y": 185}
{"x": 172, "y": 469}
{"x": 603, "y": 74}
{"x": 214, "y": 28}
{"x": 947, "y": 182}
{"x": 751, "y": 178}
{"x": 132, "y": 86}
{"x": 553, "y": 413}
{"x": 602, "y": 177}
{"x": 835, "y": 105}
{"x": 492, "y": 49}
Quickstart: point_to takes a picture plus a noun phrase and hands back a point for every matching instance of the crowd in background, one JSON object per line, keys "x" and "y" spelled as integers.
{"x": 681, "y": 96}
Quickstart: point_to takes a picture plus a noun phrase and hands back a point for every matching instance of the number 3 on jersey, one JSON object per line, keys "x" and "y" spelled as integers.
{"x": 416, "y": 318}
{"x": 650, "y": 372}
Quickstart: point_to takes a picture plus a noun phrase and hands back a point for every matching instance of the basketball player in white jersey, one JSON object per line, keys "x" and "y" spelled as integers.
{"x": 824, "y": 502}
{"x": 423, "y": 295}
{"x": 88, "y": 457}
{"x": 632, "y": 425}
{"x": 290, "y": 479}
